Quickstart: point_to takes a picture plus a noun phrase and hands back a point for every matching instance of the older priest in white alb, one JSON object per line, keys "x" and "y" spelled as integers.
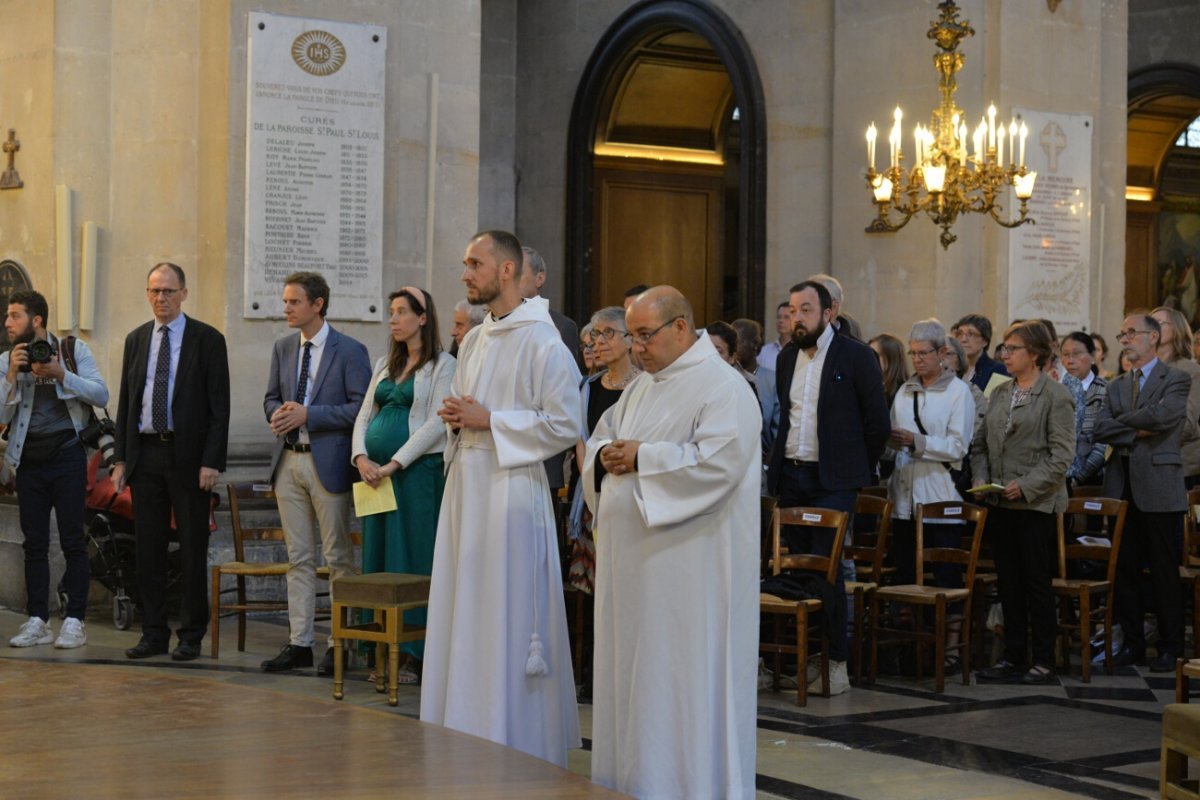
{"x": 677, "y": 465}
{"x": 497, "y": 659}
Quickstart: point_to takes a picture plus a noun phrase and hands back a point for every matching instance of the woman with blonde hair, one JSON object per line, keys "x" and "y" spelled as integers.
{"x": 1175, "y": 350}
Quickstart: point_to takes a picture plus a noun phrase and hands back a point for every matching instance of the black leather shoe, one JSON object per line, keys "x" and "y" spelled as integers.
{"x": 185, "y": 651}
{"x": 145, "y": 648}
{"x": 1165, "y": 662}
{"x": 290, "y": 657}
{"x": 1000, "y": 671}
{"x": 1127, "y": 658}
{"x": 325, "y": 668}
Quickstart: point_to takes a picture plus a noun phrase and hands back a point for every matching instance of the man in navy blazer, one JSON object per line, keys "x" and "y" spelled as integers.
{"x": 316, "y": 386}
{"x": 833, "y": 426}
{"x": 172, "y": 431}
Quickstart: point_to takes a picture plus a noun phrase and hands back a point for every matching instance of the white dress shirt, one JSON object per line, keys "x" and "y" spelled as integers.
{"x": 314, "y": 364}
{"x": 802, "y": 406}
{"x": 175, "y": 326}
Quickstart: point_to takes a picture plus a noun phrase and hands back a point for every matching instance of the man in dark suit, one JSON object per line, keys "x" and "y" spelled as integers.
{"x": 172, "y": 433}
{"x": 533, "y": 275}
{"x": 314, "y": 392}
{"x": 833, "y": 426}
{"x": 1143, "y": 419}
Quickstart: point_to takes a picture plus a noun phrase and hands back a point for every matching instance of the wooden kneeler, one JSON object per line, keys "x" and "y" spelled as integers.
{"x": 388, "y": 595}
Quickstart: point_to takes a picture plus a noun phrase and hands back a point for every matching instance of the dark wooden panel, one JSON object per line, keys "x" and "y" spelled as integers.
{"x": 1141, "y": 290}
{"x": 655, "y": 228}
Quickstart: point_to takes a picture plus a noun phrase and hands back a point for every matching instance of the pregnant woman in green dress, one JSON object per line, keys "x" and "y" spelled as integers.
{"x": 399, "y": 437}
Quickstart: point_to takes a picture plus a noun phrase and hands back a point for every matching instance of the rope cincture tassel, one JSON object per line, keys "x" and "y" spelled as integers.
{"x": 535, "y": 663}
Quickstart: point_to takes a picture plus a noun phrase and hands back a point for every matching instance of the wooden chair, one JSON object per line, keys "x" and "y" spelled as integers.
{"x": 801, "y": 610}
{"x": 1184, "y": 672}
{"x": 1180, "y": 742}
{"x": 867, "y": 549}
{"x": 768, "y": 509}
{"x": 937, "y": 597}
{"x": 1189, "y": 568}
{"x": 245, "y": 497}
{"x": 1082, "y": 591}
{"x": 255, "y": 494}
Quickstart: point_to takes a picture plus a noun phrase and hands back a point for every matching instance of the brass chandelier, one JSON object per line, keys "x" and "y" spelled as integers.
{"x": 951, "y": 174}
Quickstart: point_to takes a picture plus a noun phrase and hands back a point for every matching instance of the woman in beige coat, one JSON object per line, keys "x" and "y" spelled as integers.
{"x": 1027, "y": 447}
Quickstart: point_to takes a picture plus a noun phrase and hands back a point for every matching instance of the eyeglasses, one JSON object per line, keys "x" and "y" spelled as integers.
{"x": 1009, "y": 349}
{"x": 167, "y": 293}
{"x": 608, "y": 334}
{"x": 644, "y": 338}
{"x": 920, "y": 354}
{"x": 963, "y": 334}
{"x": 1129, "y": 334}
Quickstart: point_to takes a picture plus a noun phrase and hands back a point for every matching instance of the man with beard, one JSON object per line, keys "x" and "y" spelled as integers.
{"x": 833, "y": 426}
{"x": 51, "y": 405}
{"x": 497, "y": 659}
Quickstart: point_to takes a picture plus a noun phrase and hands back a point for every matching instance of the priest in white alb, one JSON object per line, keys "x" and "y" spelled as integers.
{"x": 672, "y": 474}
{"x": 497, "y": 659}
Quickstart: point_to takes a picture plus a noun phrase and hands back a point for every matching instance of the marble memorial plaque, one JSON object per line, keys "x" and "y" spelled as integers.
{"x": 1049, "y": 263}
{"x": 314, "y": 161}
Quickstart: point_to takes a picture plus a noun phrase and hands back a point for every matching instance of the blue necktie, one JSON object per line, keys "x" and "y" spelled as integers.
{"x": 162, "y": 378}
{"x": 293, "y": 435}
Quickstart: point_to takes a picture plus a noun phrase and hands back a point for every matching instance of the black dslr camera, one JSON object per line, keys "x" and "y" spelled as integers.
{"x": 40, "y": 352}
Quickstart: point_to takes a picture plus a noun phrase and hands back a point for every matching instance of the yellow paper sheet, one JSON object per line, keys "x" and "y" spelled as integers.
{"x": 986, "y": 488}
{"x": 993, "y": 382}
{"x": 368, "y": 501}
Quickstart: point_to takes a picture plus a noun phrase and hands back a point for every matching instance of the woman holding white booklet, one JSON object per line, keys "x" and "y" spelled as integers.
{"x": 1028, "y": 444}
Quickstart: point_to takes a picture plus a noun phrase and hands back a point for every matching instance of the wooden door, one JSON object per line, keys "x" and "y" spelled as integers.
{"x": 658, "y": 225}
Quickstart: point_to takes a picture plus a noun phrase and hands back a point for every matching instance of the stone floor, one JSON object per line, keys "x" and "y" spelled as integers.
{"x": 898, "y": 739}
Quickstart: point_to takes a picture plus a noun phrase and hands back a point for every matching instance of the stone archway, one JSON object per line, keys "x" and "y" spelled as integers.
{"x": 611, "y": 59}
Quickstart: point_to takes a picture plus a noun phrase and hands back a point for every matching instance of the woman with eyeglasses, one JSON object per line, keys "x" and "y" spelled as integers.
{"x": 611, "y": 349}
{"x": 1175, "y": 350}
{"x": 933, "y": 416}
{"x": 1028, "y": 444}
{"x": 1078, "y": 351}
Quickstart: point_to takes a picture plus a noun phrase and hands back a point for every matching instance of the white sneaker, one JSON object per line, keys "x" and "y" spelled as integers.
{"x": 72, "y": 634}
{"x": 34, "y": 631}
{"x": 812, "y": 672}
{"x": 839, "y": 680}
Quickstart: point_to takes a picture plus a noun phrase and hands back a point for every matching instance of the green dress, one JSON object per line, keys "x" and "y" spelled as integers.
{"x": 402, "y": 540}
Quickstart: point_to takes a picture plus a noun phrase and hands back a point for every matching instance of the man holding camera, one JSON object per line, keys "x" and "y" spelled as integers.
{"x": 46, "y": 406}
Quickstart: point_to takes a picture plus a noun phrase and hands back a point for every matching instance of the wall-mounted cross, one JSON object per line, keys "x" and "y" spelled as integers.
{"x": 9, "y": 179}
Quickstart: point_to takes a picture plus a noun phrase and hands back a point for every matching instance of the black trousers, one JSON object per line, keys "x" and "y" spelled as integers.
{"x": 1024, "y": 544}
{"x": 57, "y": 485}
{"x": 160, "y": 487}
{"x": 800, "y": 485}
{"x": 1153, "y": 540}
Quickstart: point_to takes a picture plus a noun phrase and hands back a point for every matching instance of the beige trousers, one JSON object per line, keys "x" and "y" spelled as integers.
{"x": 313, "y": 519}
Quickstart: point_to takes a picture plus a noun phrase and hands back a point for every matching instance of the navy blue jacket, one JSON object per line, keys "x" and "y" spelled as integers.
{"x": 985, "y": 368}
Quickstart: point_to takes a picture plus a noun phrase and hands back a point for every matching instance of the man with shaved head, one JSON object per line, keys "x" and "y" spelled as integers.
{"x": 672, "y": 476}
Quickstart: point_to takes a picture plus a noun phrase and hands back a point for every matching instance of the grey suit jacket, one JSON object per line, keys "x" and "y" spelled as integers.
{"x": 1155, "y": 462}
{"x": 334, "y": 402}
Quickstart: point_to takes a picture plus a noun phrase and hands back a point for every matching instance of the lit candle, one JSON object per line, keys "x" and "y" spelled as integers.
{"x": 1000, "y": 146}
{"x": 1012, "y": 141}
{"x": 1024, "y": 184}
{"x": 991, "y": 126}
{"x": 980, "y": 132}
{"x": 871, "y": 134}
{"x": 897, "y": 116}
{"x": 918, "y": 145}
{"x": 1024, "y": 133}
